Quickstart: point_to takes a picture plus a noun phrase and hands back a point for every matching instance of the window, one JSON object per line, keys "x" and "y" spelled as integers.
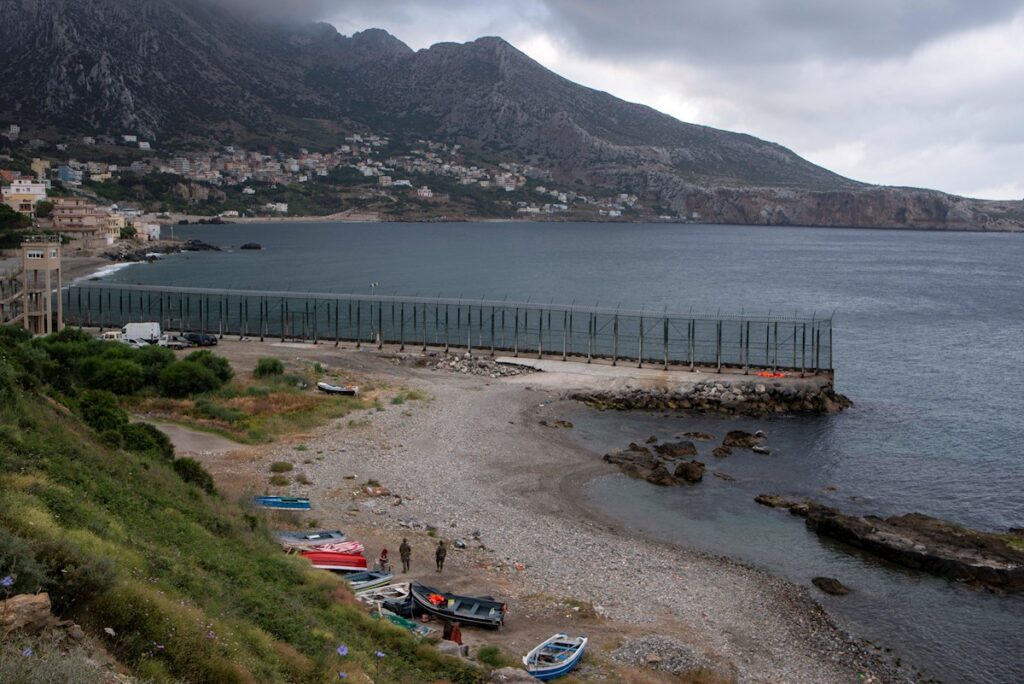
{"x": 34, "y": 254}
{"x": 53, "y": 254}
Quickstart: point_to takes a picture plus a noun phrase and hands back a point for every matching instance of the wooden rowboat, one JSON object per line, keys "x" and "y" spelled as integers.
{"x": 467, "y": 610}
{"x": 555, "y": 656}
{"x": 293, "y": 503}
{"x": 391, "y": 592}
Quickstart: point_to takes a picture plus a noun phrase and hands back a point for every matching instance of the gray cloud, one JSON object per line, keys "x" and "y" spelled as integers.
{"x": 727, "y": 31}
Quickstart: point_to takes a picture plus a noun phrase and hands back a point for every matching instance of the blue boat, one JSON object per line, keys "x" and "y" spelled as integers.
{"x": 555, "y": 657}
{"x": 288, "y": 503}
{"x": 310, "y": 539}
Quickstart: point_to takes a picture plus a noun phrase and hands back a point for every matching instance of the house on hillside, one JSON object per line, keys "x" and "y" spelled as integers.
{"x": 23, "y": 194}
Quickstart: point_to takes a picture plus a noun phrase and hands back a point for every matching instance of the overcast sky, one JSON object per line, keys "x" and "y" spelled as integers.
{"x": 926, "y": 93}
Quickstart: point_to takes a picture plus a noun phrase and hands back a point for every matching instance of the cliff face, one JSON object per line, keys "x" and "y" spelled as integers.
{"x": 193, "y": 71}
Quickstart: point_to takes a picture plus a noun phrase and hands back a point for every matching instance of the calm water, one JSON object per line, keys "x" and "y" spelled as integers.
{"x": 929, "y": 342}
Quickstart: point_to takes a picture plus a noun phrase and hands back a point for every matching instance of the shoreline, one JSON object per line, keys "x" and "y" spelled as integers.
{"x": 448, "y": 459}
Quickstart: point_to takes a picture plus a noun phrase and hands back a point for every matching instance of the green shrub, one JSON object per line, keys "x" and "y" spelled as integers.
{"x": 218, "y": 364}
{"x": 492, "y": 655}
{"x": 73, "y": 576}
{"x": 50, "y": 661}
{"x": 186, "y": 378}
{"x": 100, "y": 411}
{"x": 119, "y": 376}
{"x": 268, "y": 367}
{"x": 153, "y": 358}
{"x": 193, "y": 472}
{"x": 112, "y": 438}
{"x": 279, "y": 480}
{"x": 280, "y": 467}
{"x": 209, "y": 409}
{"x": 144, "y": 438}
{"x": 18, "y": 561}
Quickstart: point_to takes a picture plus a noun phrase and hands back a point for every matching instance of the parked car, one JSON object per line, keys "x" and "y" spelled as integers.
{"x": 201, "y": 339}
{"x": 142, "y": 332}
{"x": 174, "y": 342}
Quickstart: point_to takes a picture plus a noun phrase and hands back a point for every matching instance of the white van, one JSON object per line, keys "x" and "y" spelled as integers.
{"x": 142, "y": 332}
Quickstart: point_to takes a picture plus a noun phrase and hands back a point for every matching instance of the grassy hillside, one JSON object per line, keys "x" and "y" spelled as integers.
{"x": 190, "y": 584}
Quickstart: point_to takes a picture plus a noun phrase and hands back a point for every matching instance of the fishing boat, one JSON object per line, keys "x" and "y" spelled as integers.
{"x": 345, "y": 390}
{"x": 555, "y": 657}
{"x": 330, "y": 560}
{"x": 390, "y": 592}
{"x": 310, "y": 539}
{"x": 291, "y": 503}
{"x": 371, "y": 579}
{"x": 468, "y": 610}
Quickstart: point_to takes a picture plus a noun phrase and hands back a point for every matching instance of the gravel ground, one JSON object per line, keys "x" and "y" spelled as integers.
{"x": 472, "y": 459}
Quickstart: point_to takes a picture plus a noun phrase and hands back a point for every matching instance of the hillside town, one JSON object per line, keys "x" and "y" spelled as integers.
{"x": 368, "y": 171}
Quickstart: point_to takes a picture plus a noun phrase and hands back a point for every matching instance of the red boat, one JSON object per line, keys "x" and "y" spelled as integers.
{"x": 330, "y": 560}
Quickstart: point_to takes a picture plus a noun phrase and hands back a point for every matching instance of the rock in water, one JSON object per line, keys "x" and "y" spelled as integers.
{"x": 721, "y": 451}
{"x": 764, "y": 451}
{"x": 739, "y": 438}
{"x": 692, "y": 471}
{"x": 661, "y": 477}
{"x": 676, "y": 449}
{"x": 700, "y": 436}
{"x": 830, "y": 585}
{"x": 251, "y": 246}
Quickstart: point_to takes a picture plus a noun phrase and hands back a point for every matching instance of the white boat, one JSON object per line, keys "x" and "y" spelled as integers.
{"x": 391, "y": 592}
{"x": 555, "y": 657}
{"x": 346, "y": 390}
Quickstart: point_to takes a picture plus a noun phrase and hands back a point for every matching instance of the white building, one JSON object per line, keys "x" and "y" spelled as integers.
{"x": 130, "y": 138}
{"x": 181, "y": 166}
{"x": 424, "y": 192}
{"x": 248, "y": 191}
{"x": 147, "y": 232}
{"x": 277, "y": 207}
{"x": 23, "y": 194}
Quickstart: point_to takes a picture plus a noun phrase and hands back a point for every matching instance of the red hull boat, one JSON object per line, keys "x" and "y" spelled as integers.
{"x": 330, "y": 560}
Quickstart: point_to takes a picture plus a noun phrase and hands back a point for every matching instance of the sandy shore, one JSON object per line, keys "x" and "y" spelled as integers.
{"x": 473, "y": 462}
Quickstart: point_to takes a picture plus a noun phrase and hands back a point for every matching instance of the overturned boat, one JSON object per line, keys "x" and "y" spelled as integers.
{"x": 371, "y": 579}
{"x": 309, "y": 539}
{"x": 380, "y": 594}
{"x": 555, "y": 657}
{"x": 289, "y": 503}
{"x": 467, "y": 610}
{"x": 331, "y": 560}
{"x": 344, "y": 390}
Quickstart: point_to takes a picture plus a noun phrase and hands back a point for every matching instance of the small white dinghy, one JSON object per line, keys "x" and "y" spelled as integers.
{"x": 555, "y": 657}
{"x": 392, "y": 592}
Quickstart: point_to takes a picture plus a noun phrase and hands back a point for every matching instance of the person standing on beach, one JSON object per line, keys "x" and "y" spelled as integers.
{"x": 405, "y": 552}
{"x": 385, "y": 566}
{"x": 440, "y": 554}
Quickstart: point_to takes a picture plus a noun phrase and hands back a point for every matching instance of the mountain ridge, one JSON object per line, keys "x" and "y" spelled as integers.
{"x": 189, "y": 72}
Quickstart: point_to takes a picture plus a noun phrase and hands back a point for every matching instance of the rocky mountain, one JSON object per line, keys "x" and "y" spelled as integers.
{"x": 190, "y": 71}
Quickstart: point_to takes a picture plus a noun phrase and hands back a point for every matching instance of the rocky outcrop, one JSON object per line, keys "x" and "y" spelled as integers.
{"x": 470, "y": 364}
{"x": 26, "y": 614}
{"x": 676, "y": 449}
{"x": 920, "y": 542}
{"x": 691, "y": 471}
{"x": 251, "y": 246}
{"x": 661, "y": 477}
{"x": 132, "y": 252}
{"x": 729, "y": 398}
{"x": 744, "y": 440}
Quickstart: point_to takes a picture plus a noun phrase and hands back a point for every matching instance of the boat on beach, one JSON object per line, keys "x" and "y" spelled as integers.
{"x": 467, "y": 610}
{"x": 291, "y": 503}
{"x": 555, "y": 656}
{"x": 309, "y": 539}
{"x": 371, "y": 579}
{"x": 330, "y": 560}
{"x": 344, "y": 390}
{"x": 377, "y": 595}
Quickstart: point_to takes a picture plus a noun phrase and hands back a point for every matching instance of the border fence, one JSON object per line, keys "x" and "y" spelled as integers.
{"x": 643, "y": 337}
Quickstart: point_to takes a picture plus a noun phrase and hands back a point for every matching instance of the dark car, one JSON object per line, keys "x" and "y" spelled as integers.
{"x": 201, "y": 339}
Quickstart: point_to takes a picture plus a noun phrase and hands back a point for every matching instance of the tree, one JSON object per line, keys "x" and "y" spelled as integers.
{"x": 218, "y": 364}
{"x": 44, "y": 209}
{"x": 128, "y": 233}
